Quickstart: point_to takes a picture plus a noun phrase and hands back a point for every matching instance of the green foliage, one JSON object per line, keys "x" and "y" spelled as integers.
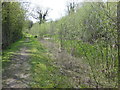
{"x": 42, "y": 30}
{"x": 13, "y": 17}
{"x": 90, "y": 33}
{"x": 9, "y": 52}
{"x": 29, "y": 24}
{"x": 43, "y": 73}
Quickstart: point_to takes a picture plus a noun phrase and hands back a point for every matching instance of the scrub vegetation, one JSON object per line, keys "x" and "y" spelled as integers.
{"x": 80, "y": 50}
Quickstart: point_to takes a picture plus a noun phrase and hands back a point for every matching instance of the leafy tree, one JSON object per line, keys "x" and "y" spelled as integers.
{"x": 118, "y": 30}
{"x": 90, "y": 33}
{"x": 13, "y": 17}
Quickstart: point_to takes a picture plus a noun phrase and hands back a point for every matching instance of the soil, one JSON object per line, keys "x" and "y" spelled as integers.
{"x": 17, "y": 74}
{"x": 69, "y": 65}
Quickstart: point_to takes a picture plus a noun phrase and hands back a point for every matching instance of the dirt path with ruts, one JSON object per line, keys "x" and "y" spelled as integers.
{"x": 17, "y": 75}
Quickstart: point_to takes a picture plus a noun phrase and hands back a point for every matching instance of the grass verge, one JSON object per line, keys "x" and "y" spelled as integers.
{"x": 10, "y": 51}
{"x": 44, "y": 73}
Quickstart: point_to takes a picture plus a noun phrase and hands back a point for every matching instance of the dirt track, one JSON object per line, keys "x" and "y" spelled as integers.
{"x": 17, "y": 75}
{"x": 69, "y": 65}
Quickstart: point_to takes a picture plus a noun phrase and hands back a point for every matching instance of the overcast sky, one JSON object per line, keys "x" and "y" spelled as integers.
{"x": 57, "y": 7}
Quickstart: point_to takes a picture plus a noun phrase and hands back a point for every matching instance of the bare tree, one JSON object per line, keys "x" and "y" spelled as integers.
{"x": 71, "y": 7}
{"x": 40, "y": 14}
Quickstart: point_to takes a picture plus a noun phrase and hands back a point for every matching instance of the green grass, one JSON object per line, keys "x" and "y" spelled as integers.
{"x": 10, "y": 51}
{"x": 91, "y": 53}
{"x": 44, "y": 73}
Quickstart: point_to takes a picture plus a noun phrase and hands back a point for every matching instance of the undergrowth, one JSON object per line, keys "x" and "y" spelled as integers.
{"x": 44, "y": 73}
